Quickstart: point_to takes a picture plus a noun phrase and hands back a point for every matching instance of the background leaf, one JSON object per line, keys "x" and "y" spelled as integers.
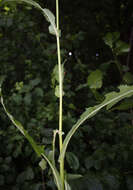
{"x": 122, "y": 47}
{"x": 72, "y": 160}
{"x": 95, "y": 79}
{"x": 46, "y": 12}
{"x": 128, "y": 78}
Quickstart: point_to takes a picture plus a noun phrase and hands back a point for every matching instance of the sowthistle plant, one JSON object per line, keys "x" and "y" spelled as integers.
{"x": 60, "y": 176}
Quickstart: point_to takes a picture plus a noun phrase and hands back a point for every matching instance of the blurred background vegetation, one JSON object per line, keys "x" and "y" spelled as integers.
{"x": 95, "y": 41}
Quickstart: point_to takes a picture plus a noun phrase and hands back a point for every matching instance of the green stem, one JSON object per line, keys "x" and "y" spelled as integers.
{"x": 57, "y": 14}
{"x": 60, "y": 92}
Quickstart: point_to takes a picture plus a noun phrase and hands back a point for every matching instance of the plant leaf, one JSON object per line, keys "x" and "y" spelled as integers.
{"x": 38, "y": 149}
{"x": 122, "y": 47}
{"x": 50, "y": 18}
{"x": 30, "y": 2}
{"x": 57, "y": 91}
{"x": 111, "y": 38}
{"x": 108, "y": 39}
{"x": 46, "y": 13}
{"x": 55, "y": 172}
{"x": 29, "y": 174}
{"x": 113, "y": 97}
{"x": 110, "y": 99}
{"x": 128, "y": 78}
{"x": 43, "y": 164}
{"x": 95, "y": 79}
{"x": 73, "y": 176}
{"x": 72, "y": 160}
{"x": 125, "y": 105}
{"x": 67, "y": 186}
{"x": 55, "y": 75}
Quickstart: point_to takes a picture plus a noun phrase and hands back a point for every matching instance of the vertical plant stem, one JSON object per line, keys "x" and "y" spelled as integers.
{"x": 60, "y": 92}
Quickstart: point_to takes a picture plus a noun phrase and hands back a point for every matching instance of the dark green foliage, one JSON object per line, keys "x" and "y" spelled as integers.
{"x": 102, "y": 149}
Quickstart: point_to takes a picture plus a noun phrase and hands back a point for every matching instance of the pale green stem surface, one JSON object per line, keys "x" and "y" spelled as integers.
{"x": 60, "y": 92}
